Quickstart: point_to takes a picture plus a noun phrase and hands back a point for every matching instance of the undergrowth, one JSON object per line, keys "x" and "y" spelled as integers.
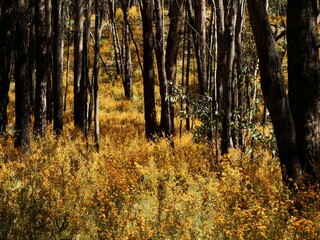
{"x": 134, "y": 189}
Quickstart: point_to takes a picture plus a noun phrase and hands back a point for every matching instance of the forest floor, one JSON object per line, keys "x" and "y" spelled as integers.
{"x": 135, "y": 189}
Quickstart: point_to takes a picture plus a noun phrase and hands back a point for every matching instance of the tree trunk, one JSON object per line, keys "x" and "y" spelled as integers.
{"x": 6, "y": 31}
{"x": 172, "y": 49}
{"x": 304, "y": 83}
{"x": 21, "y": 79}
{"x": 48, "y": 15}
{"x": 274, "y": 92}
{"x": 127, "y": 81}
{"x": 40, "y": 120}
{"x": 165, "y": 124}
{"x": 99, "y": 10}
{"x": 78, "y": 55}
{"x": 226, "y": 23}
{"x": 148, "y": 73}
{"x": 197, "y": 16}
{"x": 84, "y": 82}
{"x": 57, "y": 74}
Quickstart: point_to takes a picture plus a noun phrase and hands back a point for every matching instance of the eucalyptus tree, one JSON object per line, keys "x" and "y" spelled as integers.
{"x": 40, "y": 118}
{"x": 274, "y": 90}
{"x": 304, "y": 83}
{"x": 148, "y": 70}
{"x": 6, "y": 56}
{"x": 57, "y": 73}
{"x": 22, "y": 94}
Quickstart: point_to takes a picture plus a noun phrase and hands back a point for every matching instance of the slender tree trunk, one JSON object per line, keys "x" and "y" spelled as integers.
{"x": 21, "y": 79}
{"x": 148, "y": 73}
{"x": 40, "y": 120}
{"x": 240, "y": 78}
{"x": 127, "y": 80}
{"x": 68, "y": 61}
{"x": 227, "y": 15}
{"x": 99, "y": 10}
{"x": 172, "y": 49}
{"x": 48, "y": 16}
{"x": 197, "y": 16}
{"x": 32, "y": 56}
{"x": 304, "y": 83}
{"x": 57, "y": 74}
{"x": 165, "y": 124}
{"x": 85, "y": 83}
{"x": 78, "y": 55}
{"x": 274, "y": 92}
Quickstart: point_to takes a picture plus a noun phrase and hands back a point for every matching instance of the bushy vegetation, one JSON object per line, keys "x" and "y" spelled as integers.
{"x": 134, "y": 189}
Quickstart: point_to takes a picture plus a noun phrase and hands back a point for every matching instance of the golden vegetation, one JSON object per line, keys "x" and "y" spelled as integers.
{"x": 134, "y": 189}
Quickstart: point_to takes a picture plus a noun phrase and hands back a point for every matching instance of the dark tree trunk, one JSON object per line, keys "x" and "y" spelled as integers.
{"x": 6, "y": 33}
{"x": 48, "y": 15}
{"x": 226, "y": 23}
{"x": 239, "y": 65}
{"x": 197, "y": 16}
{"x": 32, "y": 56}
{"x": 273, "y": 88}
{"x": 127, "y": 76}
{"x": 175, "y": 14}
{"x": 148, "y": 73}
{"x": 57, "y": 74}
{"x": 78, "y": 55}
{"x": 115, "y": 38}
{"x": 85, "y": 83}
{"x": 40, "y": 120}
{"x": 21, "y": 79}
{"x": 99, "y": 10}
{"x": 165, "y": 124}
{"x": 304, "y": 83}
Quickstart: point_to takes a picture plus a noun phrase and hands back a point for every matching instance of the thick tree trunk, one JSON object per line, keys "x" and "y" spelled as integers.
{"x": 40, "y": 120}
{"x": 57, "y": 74}
{"x": 148, "y": 73}
{"x": 304, "y": 83}
{"x": 78, "y": 55}
{"x": 274, "y": 92}
{"x": 21, "y": 80}
{"x": 6, "y": 31}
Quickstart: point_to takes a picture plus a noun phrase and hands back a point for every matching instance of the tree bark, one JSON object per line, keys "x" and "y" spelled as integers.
{"x": 148, "y": 73}
{"x": 165, "y": 124}
{"x": 197, "y": 17}
{"x": 99, "y": 10}
{"x": 22, "y": 138}
{"x": 57, "y": 74}
{"x": 48, "y": 16}
{"x": 40, "y": 120}
{"x": 274, "y": 92}
{"x": 78, "y": 55}
{"x": 127, "y": 76}
{"x": 172, "y": 49}
{"x": 304, "y": 83}
{"x": 6, "y": 55}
